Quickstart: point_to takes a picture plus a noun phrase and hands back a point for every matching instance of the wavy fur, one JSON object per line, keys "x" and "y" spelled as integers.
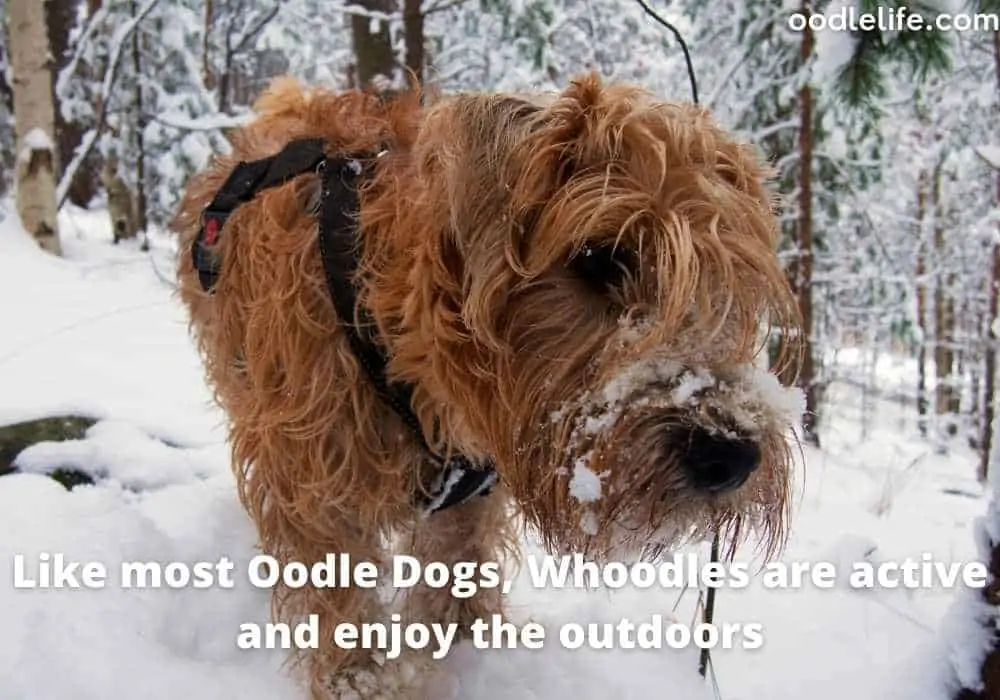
{"x": 468, "y": 226}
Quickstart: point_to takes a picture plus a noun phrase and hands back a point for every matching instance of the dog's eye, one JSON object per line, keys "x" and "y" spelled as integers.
{"x": 603, "y": 267}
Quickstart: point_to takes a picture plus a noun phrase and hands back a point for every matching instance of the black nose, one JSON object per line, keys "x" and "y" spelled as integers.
{"x": 717, "y": 463}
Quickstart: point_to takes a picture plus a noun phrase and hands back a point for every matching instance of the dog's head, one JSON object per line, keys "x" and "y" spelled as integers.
{"x": 591, "y": 281}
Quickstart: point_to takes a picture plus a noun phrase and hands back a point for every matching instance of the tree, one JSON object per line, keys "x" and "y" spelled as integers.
{"x": 987, "y": 685}
{"x": 231, "y": 29}
{"x": 800, "y": 272}
{"x": 62, "y": 17}
{"x": 921, "y": 270}
{"x": 861, "y": 83}
{"x": 413, "y": 36}
{"x": 6, "y": 113}
{"x": 946, "y": 395}
{"x": 37, "y": 160}
{"x": 372, "y": 40}
{"x": 858, "y": 83}
{"x": 992, "y": 331}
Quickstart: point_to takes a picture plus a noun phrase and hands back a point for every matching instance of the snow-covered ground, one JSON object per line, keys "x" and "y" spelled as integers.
{"x": 99, "y": 333}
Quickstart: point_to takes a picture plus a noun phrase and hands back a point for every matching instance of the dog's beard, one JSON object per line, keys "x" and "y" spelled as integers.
{"x": 615, "y": 482}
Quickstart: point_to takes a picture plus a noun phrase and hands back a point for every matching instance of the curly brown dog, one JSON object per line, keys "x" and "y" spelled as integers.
{"x": 573, "y": 289}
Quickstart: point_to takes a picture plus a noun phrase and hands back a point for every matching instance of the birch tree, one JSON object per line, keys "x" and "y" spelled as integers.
{"x": 34, "y": 113}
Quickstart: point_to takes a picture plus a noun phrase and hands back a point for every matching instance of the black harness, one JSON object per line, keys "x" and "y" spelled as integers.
{"x": 460, "y": 479}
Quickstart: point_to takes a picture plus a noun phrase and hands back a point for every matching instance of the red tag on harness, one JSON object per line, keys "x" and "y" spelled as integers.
{"x": 212, "y": 228}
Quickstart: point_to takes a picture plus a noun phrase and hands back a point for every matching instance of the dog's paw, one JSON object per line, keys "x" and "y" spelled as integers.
{"x": 438, "y": 684}
{"x": 411, "y": 677}
{"x": 357, "y": 683}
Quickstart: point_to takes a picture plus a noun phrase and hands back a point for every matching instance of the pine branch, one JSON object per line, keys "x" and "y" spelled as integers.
{"x": 861, "y": 81}
{"x": 206, "y": 122}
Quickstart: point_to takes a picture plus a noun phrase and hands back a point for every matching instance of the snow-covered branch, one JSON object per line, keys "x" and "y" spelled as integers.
{"x": 991, "y": 154}
{"x": 82, "y": 43}
{"x": 359, "y": 11}
{"x": 90, "y": 138}
{"x": 255, "y": 27}
{"x": 443, "y": 6}
{"x": 207, "y": 122}
{"x": 765, "y": 132}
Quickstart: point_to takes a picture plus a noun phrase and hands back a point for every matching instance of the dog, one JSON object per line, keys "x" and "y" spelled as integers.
{"x": 539, "y": 311}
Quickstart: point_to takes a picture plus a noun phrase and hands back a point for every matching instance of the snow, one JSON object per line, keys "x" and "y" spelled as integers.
{"x": 589, "y": 523}
{"x": 991, "y": 154}
{"x": 38, "y": 140}
{"x": 102, "y": 333}
{"x": 35, "y": 140}
{"x": 108, "y": 352}
{"x": 119, "y": 451}
{"x": 786, "y": 403}
{"x": 752, "y": 395}
{"x": 833, "y": 48}
{"x": 966, "y": 624}
{"x": 691, "y": 384}
{"x": 585, "y": 485}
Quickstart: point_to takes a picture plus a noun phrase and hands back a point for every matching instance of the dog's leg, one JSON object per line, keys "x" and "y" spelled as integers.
{"x": 364, "y": 674}
{"x": 479, "y": 531}
{"x": 334, "y": 673}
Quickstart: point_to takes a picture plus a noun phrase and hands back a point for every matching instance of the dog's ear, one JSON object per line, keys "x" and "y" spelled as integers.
{"x": 574, "y": 131}
{"x": 569, "y": 134}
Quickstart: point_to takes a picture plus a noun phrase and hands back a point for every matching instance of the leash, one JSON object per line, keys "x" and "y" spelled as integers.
{"x": 705, "y": 657}
{"x": 680, "y": 40}
{"x": 459, "y": 480}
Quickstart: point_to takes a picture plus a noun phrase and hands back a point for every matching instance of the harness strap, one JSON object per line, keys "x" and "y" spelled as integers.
{"x": 243, "y": 183}
{"x": 460, "y": 479}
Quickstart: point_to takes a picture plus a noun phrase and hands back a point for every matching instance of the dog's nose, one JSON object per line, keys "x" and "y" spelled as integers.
{"x": 717, "y": 463}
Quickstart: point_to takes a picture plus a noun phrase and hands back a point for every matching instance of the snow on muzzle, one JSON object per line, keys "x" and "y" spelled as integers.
{"x": 714, "y": 422}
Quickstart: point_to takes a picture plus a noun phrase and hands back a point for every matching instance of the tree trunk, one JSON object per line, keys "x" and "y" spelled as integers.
{"x": 207, "y": 75}
{"x": 990, "y": 671}
{"x": 802, "y": 267}
{"x": 223, "y": 78}
{"x": 945, "y": 393}
{"x": 990, "y": 366}
{"x": 61, "y": 18}
{"x": 6, "y": 114}
{"x": 140, "y": 141}
{"x": 121, "y": 202}
{"x": 34, "y": 124}
{"x": 413, "y": 38}
{"x": 372, "y": 49}
{"x": 921, "y": 272}
{"x": 6, "y": 91}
